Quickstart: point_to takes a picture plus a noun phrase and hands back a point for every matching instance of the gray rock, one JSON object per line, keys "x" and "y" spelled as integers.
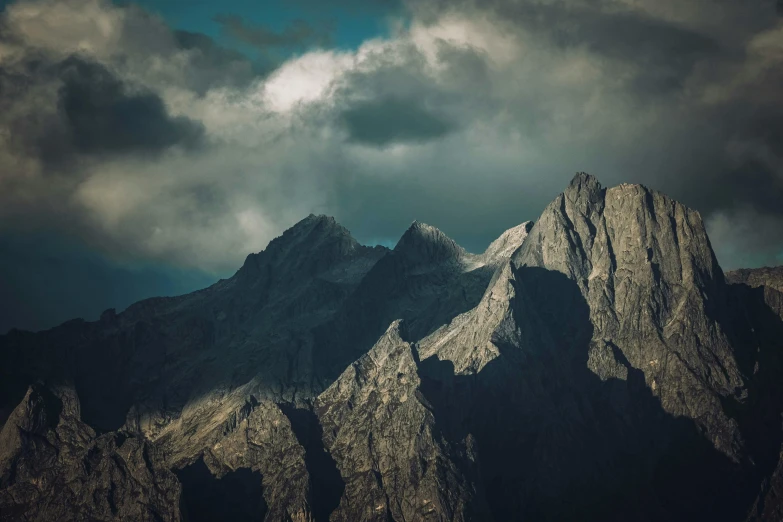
{"x": 771, "y": 277}
{"x": 646, "y": 269}
{"x": 54, "y": 467}
{"x": 383, "y": 435}
{"x": 594, "y": 365}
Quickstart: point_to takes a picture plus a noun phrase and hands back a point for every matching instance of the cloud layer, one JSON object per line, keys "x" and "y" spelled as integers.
{"x": 159, "y": 145}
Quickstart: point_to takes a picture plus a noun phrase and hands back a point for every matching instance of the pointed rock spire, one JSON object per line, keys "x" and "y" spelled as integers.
{"x": 584, "y": 194}
{"x": 423, "y": 244}
{"x": 311, "y": 246}
{"x": 509, "y": 241}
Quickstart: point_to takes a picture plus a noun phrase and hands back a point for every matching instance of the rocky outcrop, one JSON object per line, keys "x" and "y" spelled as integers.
{"x": 757, "y": 302}
{"x": 646, "y": 269}
{"x": 426, "y": 280}
{"x": 55, "y": 467}
{"x": 382, "y": 433}
{"x": 770, "y": 277}
{"x": 509, "y": 241}
{"x": 595, "y": 365}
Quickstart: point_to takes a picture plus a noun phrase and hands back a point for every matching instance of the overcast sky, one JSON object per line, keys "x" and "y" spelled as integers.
{"x": 158, "y": 143}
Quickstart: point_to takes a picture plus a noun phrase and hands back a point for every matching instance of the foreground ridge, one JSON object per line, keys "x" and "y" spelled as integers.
{"x": 594, "y": 364}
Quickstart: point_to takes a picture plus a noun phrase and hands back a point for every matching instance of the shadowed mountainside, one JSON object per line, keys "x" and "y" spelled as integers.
{"x": 594, "y": 365}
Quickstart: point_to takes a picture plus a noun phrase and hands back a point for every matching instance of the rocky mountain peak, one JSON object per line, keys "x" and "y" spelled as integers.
{"x": 509, "y": 241}
{"x": 311, "y": 246}
{"x": 584, "y": 194}
{"x": 584, "y": 181}
{"x": 643, "y": 261}
{"x": 591, "y": 366}
{"x": 315, "y": 230}
{"x": 423, "y": 244}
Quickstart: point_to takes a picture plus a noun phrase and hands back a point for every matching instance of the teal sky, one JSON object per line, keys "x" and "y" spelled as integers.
{"x": 350, "y": 22}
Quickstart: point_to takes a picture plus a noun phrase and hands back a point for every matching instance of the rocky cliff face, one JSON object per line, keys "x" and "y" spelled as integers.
{"x": 595, "y": 365}
{"x": 55, "y": 467}
{"x": 396, "y": 462}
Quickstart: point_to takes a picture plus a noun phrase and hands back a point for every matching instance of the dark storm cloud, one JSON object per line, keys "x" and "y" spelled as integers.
{"x": 393, "y": 120}
{"x": 104, "y": 116}
{"x": 395, "y": 99}
{"x": 662, "y": 52}
{"x": 95, "y": 113}
{"x": 494, "y": 104}
{"x": 665, "y": 54}
{"x": 298, "y": 34}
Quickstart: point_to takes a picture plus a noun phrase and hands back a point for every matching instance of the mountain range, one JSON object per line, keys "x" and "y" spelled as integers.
{"x": 596, "y": 364}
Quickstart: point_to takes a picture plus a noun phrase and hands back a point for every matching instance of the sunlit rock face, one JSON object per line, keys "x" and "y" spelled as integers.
{"x": 595, "y": 364}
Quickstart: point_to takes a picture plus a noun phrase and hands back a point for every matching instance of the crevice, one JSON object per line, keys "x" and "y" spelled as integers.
{"x": 237, "y": 496}
{"x": 327, "y": 485}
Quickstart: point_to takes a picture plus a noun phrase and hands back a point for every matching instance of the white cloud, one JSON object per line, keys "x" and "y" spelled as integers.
{"x": 305, "y": 79}
{"x": 524, "y": 112}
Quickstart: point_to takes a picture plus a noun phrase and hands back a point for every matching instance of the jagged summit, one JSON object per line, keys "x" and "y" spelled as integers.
{"x": 316, "y": 228}
{"x": 592, "y": 366}
{"x": 313, "y": 245}
{"x": 644, "y": 264}
{"x": 584, "y": 180}
{"x": 423, "y": 243}
{"x": 509, "y": 241}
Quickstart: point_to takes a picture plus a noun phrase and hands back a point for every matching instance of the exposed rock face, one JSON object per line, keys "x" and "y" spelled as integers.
{"x": 162, "y": 354}
{"x": 426, "y": 280}
{"x": 645, "y": 267}
{"x": 758, "y": 302}
{"x": 241, "y": 433}
{"x": 54, "y": 467}
{"x": 382, "y": 433}
{"x": 771, "y": 277}
{"x": 595, "y": 365}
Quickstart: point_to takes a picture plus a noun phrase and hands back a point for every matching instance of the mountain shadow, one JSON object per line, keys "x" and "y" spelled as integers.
{"x": 237, "y": 496}
{"x": 327, "y": 485}
{"x": 556, "y": 442}
{"x": 758, "y": 323}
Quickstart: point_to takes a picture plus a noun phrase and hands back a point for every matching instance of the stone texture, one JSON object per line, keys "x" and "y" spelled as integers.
{"x": 595, "y": 365}
{"x": 382, "y": 433}
{"x": 645, "y": 267}
{"x": 54, "y": 467}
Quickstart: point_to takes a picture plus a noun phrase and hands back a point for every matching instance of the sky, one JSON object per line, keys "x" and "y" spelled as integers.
{"x": 146, "y": 148}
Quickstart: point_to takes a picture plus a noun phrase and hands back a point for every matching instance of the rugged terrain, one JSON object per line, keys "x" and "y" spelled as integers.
{"x": 595, "y": 365}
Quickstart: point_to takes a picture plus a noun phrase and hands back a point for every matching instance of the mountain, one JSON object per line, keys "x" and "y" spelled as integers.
{"x": 770, "y": 277}
{"x": 594, "y": 365}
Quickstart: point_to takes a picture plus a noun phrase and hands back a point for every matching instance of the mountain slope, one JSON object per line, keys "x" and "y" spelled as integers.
{"x": 383, "y": 435}
{"x": 594, "y": 365}
{"x": 645, "y": 266}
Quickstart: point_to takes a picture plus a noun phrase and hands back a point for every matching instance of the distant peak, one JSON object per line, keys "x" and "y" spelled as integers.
{"x": 425, "y": 243}
{"x": 325, "y": 224}
{"x": 316, "y": 240}
{"x": 319, "y": 218}
{"x": 585, "y": 192}
{"x": 583, "y": 180}
{"x": 505, "y": 245}
{"x": 419, "y": 227}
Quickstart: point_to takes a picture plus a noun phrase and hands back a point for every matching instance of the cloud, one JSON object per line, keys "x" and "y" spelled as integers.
{"x": 744, "y": 237}
{"x": 103, "y": 115}
{"x": 214, "y": 66}
{"x": 393, "y": 120}
{"x": 470, "y": 115}
{"x": 298, "y": 34}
